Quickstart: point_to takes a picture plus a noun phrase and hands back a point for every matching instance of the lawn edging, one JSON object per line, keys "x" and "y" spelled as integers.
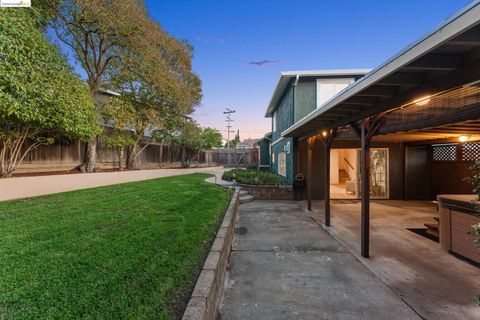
{"x": 205, "y": 301}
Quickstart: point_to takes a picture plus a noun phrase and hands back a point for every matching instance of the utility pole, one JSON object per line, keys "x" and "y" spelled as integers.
{"x": 228, "y": 113}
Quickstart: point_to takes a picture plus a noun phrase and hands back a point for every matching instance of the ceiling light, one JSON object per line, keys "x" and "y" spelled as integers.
{"x": 422, "y": 101}
{"x": 324, "y": 133}
{"x": 463, "y": 138}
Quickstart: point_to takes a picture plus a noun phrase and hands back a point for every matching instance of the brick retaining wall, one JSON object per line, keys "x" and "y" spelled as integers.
{"x": 269, "y": 192}
{"x": 204, "y": 303}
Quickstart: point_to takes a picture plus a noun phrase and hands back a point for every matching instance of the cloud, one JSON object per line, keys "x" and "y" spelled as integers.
{"x": 210, "y": 39}
{"x": 263, "y": 63}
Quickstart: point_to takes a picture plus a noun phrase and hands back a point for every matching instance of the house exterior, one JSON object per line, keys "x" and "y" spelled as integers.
{"x": 296, "y": 95}
{"x": 412, "y": 124}
{"x": 263, "y": 145}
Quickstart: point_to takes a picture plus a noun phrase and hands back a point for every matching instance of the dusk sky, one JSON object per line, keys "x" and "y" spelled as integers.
{"x": 229, "y": 37}
{"x": 240, "y": 47}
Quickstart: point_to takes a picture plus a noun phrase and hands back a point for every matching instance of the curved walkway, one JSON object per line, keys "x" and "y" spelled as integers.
{"x": 25, "y": 187}
{"x": 284, "y": 265}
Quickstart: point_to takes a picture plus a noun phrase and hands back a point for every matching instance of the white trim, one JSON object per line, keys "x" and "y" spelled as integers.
{"x": 285, "y": 77}
{"x": 343, "y": 81}
{"x": 325, "y": 73}
{"x": 274, "y": 121}
{"x": 277, "y": 141}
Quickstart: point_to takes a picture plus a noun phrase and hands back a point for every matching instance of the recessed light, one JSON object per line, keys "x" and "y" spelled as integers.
{"x": 422, "y": 101}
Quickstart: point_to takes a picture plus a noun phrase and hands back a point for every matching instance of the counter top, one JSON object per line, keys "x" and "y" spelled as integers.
{"x": 459, "y": 202}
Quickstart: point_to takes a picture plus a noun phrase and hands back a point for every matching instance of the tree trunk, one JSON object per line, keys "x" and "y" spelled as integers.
{"x": 131, "y": 157}
{"x": 90, "y": 157}
{"x": 121, "y": 151}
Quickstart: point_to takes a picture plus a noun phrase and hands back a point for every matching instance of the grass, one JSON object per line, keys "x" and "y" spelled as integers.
{"x": 129, "y": 251}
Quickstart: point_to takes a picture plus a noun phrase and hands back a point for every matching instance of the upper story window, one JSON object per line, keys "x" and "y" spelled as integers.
{"x": 274, "y": 121}
{"x": 327, "y": 88}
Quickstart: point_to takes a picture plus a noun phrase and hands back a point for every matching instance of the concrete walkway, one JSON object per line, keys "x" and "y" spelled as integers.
{"x": 437, "y": 285}
{"x": 25, "y": 187}
{"x": 285, "y": 266}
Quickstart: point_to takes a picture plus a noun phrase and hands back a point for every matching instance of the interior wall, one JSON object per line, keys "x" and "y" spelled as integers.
{"x": 341, "y": 156}
{"x": 334, "y": 166}
{"x": 351, "y": 156}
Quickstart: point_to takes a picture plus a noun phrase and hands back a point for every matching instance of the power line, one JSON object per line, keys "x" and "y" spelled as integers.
{"x": 228, "y": 112}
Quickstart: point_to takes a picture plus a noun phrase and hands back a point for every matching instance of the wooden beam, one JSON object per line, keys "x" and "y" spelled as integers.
{"x": 379, "y": 91}
{"x": 375, "y": 125}
{"x": 327, "y": 143}
{"x": 362, "y": 101}
{"x": 464, "y": 74}
{"x": 442, "y": 62}
{"x": 310, "y": 144}
{"x": 470, "y": 38}
{"x": 402, "y": 79}
{"x": 365, "y": 192}
{"x": 356, "y": 129}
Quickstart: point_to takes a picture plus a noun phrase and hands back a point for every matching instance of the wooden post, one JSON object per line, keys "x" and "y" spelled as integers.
{"x": 365, "y": 176}
{"x": 327, "y": 139}
{"x": 310, "y": 143}
{"x": 366, "y": 132}
{"x": 327, "y": 185}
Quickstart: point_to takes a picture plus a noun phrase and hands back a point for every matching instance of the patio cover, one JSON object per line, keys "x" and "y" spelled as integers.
{"x": 446, "y": 58}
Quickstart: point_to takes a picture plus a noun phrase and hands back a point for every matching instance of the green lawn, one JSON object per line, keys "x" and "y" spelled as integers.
{"x": 129, "y": 251}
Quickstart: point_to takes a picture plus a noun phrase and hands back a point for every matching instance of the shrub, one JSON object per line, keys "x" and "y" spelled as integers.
{"x": 253, "y": 177}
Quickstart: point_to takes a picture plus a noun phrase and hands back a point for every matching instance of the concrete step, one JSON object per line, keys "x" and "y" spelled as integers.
{"x": 432, "y": 229}
{"x": 432, "y": 226}
{"x": 434, "y": 233}
{"x": 246, "y": 198}
{"x": 243, "y": 192}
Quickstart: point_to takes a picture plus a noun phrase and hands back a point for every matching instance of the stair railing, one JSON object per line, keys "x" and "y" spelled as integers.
{"x": 349, "y": 164}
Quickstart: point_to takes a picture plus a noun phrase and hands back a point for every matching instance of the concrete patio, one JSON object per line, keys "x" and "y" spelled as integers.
{"x": 434, "y": 283}
{"x": 284, "y": 265}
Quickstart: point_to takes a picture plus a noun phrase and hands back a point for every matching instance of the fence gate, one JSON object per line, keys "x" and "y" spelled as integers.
{"x": 238, "y": 157}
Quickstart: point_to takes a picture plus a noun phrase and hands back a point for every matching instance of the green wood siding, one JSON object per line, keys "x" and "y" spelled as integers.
{"x": 284, "y": 114}
{"x": 276, "y": 149}
{"x": 305, "y": 98}
{"x": 264, "y": 146}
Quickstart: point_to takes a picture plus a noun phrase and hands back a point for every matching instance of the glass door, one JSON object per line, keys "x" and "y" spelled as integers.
{"x": 379, "y": 186}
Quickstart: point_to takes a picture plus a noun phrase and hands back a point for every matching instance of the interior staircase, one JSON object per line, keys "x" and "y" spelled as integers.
{"x": 343, "y": 176}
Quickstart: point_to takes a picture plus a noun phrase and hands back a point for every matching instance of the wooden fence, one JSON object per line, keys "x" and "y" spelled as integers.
{"x": 238, "y": 157}
{"x": 68, "y": 156}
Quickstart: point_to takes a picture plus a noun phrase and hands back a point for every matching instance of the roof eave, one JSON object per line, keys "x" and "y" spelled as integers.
{"x": 285, "y": 77}
{"x": 446, "y": 31}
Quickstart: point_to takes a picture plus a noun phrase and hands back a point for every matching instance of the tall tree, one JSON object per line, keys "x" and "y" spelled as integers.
{"x": 96, "y": 30}
{"x": 117, "y": 42}
{"x": 157, "y": 80}
{"x": 40, "y": 97}
{"x": 192, "y": 138}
